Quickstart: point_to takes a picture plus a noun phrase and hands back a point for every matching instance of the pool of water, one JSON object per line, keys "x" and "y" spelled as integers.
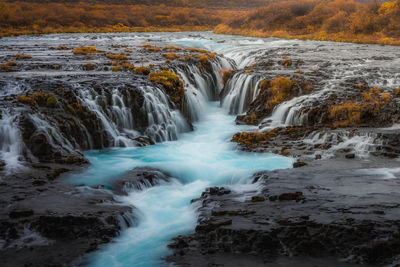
{"x": 199, "y": 159}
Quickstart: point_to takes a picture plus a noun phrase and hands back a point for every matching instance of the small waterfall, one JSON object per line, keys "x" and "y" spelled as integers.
{"x": 361, "y": 143}
{"x": 240, "y": 91}
{"x": 201, "y": 86}
{"x": 11, "y": 145}
{"x": 165, "y": 123}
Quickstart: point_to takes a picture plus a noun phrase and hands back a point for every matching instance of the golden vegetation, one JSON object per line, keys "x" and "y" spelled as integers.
{"x": 337, "y": 20}
{"x": 22, "y": 56}
{"x": 352, "y": 113}
{"x": 120, "y": 57}
{"x": 171, "y": 56}
{"x": 171, "y": 82}
{"x": 36, "y": 18}
{"x": 86, "y": 50}
{"x": 226, "y": 75}
{"x": 141, "y": 70}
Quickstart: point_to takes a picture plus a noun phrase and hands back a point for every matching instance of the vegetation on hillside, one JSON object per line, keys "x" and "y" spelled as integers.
{"x": 26, "y": 18}
{"x": 337, "y": 20}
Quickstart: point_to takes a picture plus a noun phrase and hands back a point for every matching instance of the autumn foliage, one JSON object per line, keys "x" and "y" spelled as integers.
{"x": 36, "y": 17}
{"x": 337, "y": 20}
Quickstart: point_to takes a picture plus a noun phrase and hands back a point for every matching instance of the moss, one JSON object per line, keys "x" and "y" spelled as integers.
{"x": 86, "y": 50}
{"x": 89, "y": 66}
{"x": 171, "y": 82}
{"x": 117, "y": 68}
{"x": 11, "y": 63}
{"x": 71, "y": 109}
{"x": 62, "y": 47}
{"x": 172, "y": 48}
{"x": 171, "y": 56}
{"x": 287, "y": 62}
{"x": 120, "y": 57}
{"x": 25, "y": 99}
{"x": 51, "y": 101}
{"x": 128, "y": 66}
{"x": 22, "y": 56}
{"x": 128, "y": 50}
{"x": 226, "y": 75}
{"x": 141, "y": 70}
{"x": 5, "y": 68}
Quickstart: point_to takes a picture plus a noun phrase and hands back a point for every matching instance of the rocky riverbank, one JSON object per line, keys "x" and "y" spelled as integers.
{"x": 52, "y": 223}
{"x": 328, "y": 213}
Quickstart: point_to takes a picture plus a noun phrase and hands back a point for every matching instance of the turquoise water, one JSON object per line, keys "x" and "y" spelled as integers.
{"x": 199, "y": 159}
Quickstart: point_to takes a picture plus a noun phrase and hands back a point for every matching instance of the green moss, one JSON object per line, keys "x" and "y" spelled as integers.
{"x": 51, "y": 101}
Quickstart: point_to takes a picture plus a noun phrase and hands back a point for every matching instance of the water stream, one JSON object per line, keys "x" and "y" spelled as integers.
{"x": 197, "y": 160}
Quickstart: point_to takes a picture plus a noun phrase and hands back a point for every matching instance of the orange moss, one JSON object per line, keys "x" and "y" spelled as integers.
{"x": 171, "y": 56}
{"x": 141, "y": 70}
{"x": 171, "y": 82}
{"x": 226, "y": 75}
{"x": 22, "y": 56}
{"x": 62, "y": 47}
{"x": 86, "y": 50}
{"x": 120, "y": 57}
{"x": 5, "y": 68}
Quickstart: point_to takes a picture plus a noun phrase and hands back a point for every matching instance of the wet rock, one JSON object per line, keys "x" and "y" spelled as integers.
{"x": 257, "y": 199}
{"x": 211, "y": 225}
{"x": 20, "y": 212}
{"x": 350, "y": 156}
{"x": 291, "y": 196}
{"x": 299, "y": 164}
{"x": 138, "y": 179}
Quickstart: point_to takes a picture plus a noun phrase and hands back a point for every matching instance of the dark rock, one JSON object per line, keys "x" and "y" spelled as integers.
{"x": 291, "y": 196}
{"x": 299, "y": 164}
{"x": 257, "y": 199}
{"x": 350, "y": 156}
{"x": 20, "y": 212}
{"x": 138, "y": 179}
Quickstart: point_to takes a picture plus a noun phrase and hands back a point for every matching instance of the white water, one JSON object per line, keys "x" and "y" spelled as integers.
{"x": 197, "y": 160}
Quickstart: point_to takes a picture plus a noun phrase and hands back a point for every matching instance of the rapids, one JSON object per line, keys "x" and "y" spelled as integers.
{"x": 197, "y": 160}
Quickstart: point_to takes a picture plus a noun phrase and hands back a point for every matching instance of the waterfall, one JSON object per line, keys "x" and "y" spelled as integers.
{"x": 240, "y": 91}
{"x": 11, "y": 145}
{"x": 201, "y": 86}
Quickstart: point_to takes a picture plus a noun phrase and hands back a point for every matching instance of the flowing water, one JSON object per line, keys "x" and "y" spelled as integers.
{"x": 197, "y": 160}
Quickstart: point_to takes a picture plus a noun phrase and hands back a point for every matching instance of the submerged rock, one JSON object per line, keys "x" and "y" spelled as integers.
{"x": 139, "y": 179}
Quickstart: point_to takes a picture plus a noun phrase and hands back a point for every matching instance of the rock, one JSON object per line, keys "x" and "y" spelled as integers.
{"x": 350, "y": 156}
{"x": 318, "y": 156}
{"x": 291, "y": 196}
{"x": 257, "y": 199}
{"x": 211, "y": 225}
{"x": 218, "y": 191}
{"x": 138, "y": 179}
{"x": 299, "y": 164}
{"x": 20, "y": 212}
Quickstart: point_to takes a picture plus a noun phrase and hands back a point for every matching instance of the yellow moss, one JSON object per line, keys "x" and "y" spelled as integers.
{"x": 226, "y": 75}
{"x": 120, "y": 57}
{"x": 141, "y": 70}
{"x": 11, "y": 63}
{"x": 5, "y": 67}
{"x": 128, "y": 50}
{"x": 171, "y": 56}
{"x": 25, "y": 99}
{"x": 62, "y": 47}
{"x": 86, "y": 50}
{"x": 172, "y": 48}
{"x": 128, "y": 65}
{"x": 116, "y": 68}
{"x": 22, "y": 56}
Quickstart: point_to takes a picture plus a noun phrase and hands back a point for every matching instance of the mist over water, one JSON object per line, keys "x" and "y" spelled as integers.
{"x": 199, "y": 159}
